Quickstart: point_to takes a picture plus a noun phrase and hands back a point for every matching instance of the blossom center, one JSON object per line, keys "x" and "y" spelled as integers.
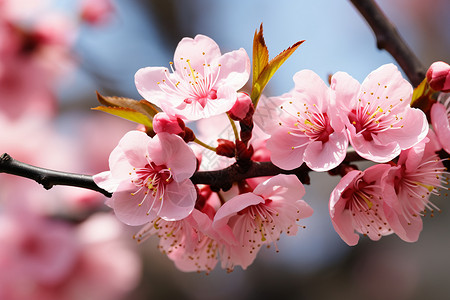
{"x": 364, "y": 205}
{"x": 373, "y": 115}
{"x": 418, "y": 184}
{"x": 313, "y": 124}
{"x": 152, "y": 179}
{"x": 191, "y": 85}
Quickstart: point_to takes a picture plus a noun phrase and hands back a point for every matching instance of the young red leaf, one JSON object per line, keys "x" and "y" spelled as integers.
{"x": 142, "y": 106}
{"x": 260, "y": 54}
{"x": 127, "y": 113}
{"x": 268, "y": 71}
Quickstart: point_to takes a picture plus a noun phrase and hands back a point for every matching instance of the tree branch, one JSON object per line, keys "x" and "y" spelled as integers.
{"x": 48, "y": 178}
{"x": 219, "y": 179}
{"x": 390, "y": 40}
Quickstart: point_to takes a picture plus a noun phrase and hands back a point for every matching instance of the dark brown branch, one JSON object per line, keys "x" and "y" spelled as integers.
{"x": 220, "y": 179}
{"x": 223, "y": 179}
{"x": 389, "y": 39}
{"x": 48, "y": 178}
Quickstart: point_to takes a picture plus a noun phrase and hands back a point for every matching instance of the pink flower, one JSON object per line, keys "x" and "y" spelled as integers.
{"x": 380, "y": 123}
{"x": 356, "y": 204}
{"x": 438, "y": 76}
{"x": 191, "y": 242}
{"x": 149, "y": 178}
{"x": 418, "y": 174}
{"x": 309, "y": 130}
{"x": 260, "y": 217}
{"x": 202, "y": 84}
{"x": 440, "y": 119}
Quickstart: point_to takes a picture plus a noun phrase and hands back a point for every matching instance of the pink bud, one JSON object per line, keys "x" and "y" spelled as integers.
{"x": 242, "y": 107}
{"x": 162, "y": 122}
{"x": 438, "y": 76}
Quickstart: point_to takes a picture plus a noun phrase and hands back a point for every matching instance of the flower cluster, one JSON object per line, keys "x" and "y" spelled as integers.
{"x": 201, "y": 224}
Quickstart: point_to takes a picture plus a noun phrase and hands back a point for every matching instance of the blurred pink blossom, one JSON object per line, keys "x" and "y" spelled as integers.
{"x": 96, "y": 12}
{"x": 52, "y": 260}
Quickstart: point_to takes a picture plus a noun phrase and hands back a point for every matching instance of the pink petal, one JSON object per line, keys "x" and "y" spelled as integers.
{"x": 134, "y": 146}
{"x": 441, "y": 125}
{"x": 170, "y": 150}
{"x": 126, "y": 206}
{"x": 198, "y": 50}
{"x": 233, "y": 206}
{"x": 106, "y": 181}
{"x": 305, "y": 210}
{"x": 344, "y": 91}
{"x": 147, "y": 79}
{"x": 387, "y": 81}
{"x": 178, "y": 200}
{"x": 376, "y": 173}
{"x": 310, "y": 86}
{"x": 341, "y": 217}
{"x": 415, "y": 129}
{"x": 326, "y": 156}
{"x": 281, "y": 188}
{"x": 372, "y": 151}
{"x": 119, "y": 164}
{"x": 234, "y": 70}
{"x": 281, "y": 153}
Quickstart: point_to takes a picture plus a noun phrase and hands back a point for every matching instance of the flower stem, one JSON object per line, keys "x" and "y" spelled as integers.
{"x": 233, "y": 125}
{"x": 204, "y": 145}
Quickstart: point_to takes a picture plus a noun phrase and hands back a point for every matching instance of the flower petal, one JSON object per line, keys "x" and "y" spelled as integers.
{"x": 126, "y": 205}
{"x": 178, "y": 200}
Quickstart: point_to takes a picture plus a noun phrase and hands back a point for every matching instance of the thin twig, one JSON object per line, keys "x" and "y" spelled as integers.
{"x": 389, "y": 39}
{"x": 48, "y": 178}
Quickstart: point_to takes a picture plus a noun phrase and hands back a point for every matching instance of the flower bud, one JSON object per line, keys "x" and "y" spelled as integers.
{"x": 438, "y": 76}
{"x": 162, "y": 122}
{"x": 225, "y": 148}
{"x": 242, "y": 107}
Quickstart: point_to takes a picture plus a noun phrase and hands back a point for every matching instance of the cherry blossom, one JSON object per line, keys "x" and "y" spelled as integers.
{"x": 440, "y": 119}
{"x": 379, "y": 120}
{"x": 308, "y": 130}
{"x": 419, "y": 174}
{"x": 357, "y": 204}
{"x": 203, "y": 82}
{"x": 191, "y": 242}
{"x": 149, "y": 177}
{"x": 259, "y": 218}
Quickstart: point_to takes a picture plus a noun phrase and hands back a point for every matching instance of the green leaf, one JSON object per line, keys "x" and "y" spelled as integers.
{"x": 127, "y": 113}
{"x": 262, "y": 69}
{"x": 260, "y": 54}
{"x": 142, "y": 106}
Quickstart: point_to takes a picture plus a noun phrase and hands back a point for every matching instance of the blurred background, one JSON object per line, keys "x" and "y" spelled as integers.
{"x": 70, "y": 49}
